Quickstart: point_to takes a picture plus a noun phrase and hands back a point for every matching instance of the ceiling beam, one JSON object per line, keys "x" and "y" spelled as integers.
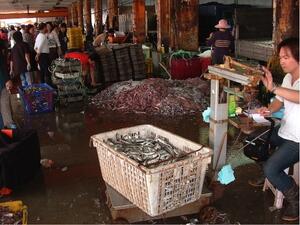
{"x": 35, "y": 15}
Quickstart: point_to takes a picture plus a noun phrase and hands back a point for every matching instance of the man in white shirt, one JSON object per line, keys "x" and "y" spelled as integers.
{"x": 23, "y": 28}
{"x": 42, "y": 57}
{"x": 288, "y": 137}
{"x": 10, "y": 36}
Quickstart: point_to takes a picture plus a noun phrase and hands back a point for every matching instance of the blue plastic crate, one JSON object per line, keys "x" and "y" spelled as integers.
{"x": 38, "y": 100}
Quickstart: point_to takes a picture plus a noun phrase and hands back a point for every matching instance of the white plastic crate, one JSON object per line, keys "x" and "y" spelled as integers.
{"x": 160, "y": 189}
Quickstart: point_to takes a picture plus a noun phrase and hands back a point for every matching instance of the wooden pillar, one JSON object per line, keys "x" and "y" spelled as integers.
{"x": 74, "y": 15}
{"x": 87, "y": 16}
{"x": 185, "y": 26}
{"x": 139, "y": 22}
{"x": 98, "y": 16}
{"x": 286, "y": 20}
{"x": 113, "y": 14}
{"x": 163, "y": 22}
{"x": 69, "y": 18}
{"x": 80, "y": 13}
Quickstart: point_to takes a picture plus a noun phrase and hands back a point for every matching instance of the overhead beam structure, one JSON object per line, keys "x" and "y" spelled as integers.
{"x": 54, "y": 13}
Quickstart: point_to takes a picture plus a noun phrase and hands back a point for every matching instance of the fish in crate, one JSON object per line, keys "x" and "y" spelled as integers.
{"x": 154, "y": 169}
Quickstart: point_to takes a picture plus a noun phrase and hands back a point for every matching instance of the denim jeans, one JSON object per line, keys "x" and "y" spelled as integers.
{"x": 286, "y": 155}
{"x": 26, "y": 79}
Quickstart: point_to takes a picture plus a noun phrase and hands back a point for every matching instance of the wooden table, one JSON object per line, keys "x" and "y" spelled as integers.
{"x": 246, "y": 124}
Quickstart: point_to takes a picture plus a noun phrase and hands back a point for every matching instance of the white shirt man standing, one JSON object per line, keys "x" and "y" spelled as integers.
{"x": 42, "y": 57}
{"x": 10, "y": 36}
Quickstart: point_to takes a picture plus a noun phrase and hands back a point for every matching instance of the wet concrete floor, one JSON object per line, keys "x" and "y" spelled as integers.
{"x": 77, "y": 195}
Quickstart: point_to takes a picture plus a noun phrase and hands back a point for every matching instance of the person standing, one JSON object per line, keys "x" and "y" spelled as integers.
{"x": 20, "y": 60}
{"x": 42, "y": 53}
{"x": 23, "y": 28}
{"x": 53, "y": 41}
{"x": 28, "y": 38}
{"x": 5, "y": 86}
{"x": 10, "y": 36}
{"x": 221, "y": 41}
{"x": 36, "y": 30}
{"x": 63, "y": 39}
{"x": 101, "y": 39}
{"x": 3, "y": 35}
{"x": 287, "y": 136}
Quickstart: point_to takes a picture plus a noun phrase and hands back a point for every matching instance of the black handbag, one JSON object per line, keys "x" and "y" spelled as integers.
{"x": 258, "y": 149}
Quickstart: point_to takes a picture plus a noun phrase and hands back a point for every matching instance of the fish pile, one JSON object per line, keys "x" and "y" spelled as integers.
{"x": 156, "y": 96}
{"x": 7, "y": 216}
{"x": 147, "y": 151}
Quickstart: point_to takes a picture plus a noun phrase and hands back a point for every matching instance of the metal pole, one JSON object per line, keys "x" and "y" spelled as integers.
{"x": 218, "y": 125}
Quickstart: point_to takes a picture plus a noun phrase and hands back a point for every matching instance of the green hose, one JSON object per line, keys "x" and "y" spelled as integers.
{"x": 181, "y": 54}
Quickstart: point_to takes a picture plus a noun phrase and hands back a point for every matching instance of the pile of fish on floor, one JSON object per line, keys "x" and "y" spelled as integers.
{"x": 156, "y": 96}
{"x": 150, "y": 151}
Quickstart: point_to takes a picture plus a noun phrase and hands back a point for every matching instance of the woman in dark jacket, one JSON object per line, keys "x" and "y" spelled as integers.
{"x": 221, "y": 41}
{"x": 63, "y": 39}
{"x": 28, "y": 38}
{"x": 20, "y": 60}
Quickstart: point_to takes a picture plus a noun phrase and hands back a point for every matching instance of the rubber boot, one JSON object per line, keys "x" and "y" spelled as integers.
{"x": 291, "y": 212}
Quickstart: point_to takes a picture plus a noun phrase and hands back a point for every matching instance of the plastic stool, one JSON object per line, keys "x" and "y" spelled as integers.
{"x": 278, "y": 200}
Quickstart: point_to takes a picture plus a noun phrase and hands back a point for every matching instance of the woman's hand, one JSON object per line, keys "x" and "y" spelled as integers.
{"x": 267, "y": 79}
{"x": 210, "y": 36}
{"x": 37, "y": 57}
{"x": 264, "y": 111}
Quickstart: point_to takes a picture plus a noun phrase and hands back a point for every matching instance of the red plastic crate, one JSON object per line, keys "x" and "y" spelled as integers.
{"x": 182, "y": 69}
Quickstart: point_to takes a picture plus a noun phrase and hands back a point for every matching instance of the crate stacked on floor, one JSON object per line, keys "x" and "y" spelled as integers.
{"x": 67, "y": 76}
{"x": 121, "y": 62}
{"x": 124, "y": 64}
{"x": 138, "y": 61}
{"x": 75, "y": 38}
{"x": 107, "y": 68}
